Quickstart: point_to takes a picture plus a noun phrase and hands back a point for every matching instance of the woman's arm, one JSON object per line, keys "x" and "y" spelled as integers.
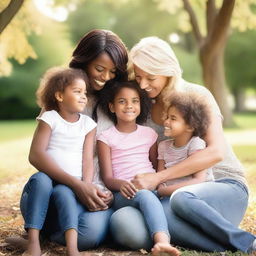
{"x": 153, "y": 155}
{"x": 41, "y": 160}
{"x": 167, "y": 190}
{"x": 200, "y": 160}
{"x": 104, "y": 155}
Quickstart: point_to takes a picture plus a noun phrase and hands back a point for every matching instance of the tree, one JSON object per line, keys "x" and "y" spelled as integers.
{"x": 212, "y": 39}
{"x": 18, "y": 19}
{"x": 240, "y": 66}
{"x": 9, "y": 12}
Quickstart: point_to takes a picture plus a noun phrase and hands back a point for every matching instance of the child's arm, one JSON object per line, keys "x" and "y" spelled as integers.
{"x": 41, "y": 160}
{"x": 88, "y": 167}
{"x": 160, "y": 165}
{"x": 153, "y": 155}
{"x": 199, "y": 177}
{"x": 104, "y": 154}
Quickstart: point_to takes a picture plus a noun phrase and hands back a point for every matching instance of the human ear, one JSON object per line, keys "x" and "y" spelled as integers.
{"x": 58, "y": 96}
{"x": 190, "y": 129}
{"x": 111, "y": 107}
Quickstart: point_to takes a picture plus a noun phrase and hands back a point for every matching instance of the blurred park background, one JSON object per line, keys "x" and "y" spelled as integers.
{"x": 213, "y": 39}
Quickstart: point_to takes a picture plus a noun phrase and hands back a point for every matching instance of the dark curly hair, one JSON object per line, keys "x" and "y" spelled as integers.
{"x": 193, "y": 109}
{"x": 56, "y": 80}
{"x": 112, "y": 88}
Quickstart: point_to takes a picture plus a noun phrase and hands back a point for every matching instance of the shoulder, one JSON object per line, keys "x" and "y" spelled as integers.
{"x": 107, "y": 132}
{"x": 147, "y": 131}
{"x": 50, "y": 117}
{"x": 165, "y": 143}
{"x": 192, "y": 87}
{"x": 88, "y": 120}
{"x": 196, "y": 143}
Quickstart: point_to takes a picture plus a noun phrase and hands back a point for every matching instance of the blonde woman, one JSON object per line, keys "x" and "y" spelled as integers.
{"x": 202, "y": 216}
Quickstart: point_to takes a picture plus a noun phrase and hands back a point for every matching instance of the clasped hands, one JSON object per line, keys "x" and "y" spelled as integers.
{"x": 140, "y": 181}
{"x": 92, "y": 196}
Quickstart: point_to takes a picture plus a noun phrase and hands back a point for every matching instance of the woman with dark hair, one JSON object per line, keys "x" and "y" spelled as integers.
{"x": 103, "y": 56}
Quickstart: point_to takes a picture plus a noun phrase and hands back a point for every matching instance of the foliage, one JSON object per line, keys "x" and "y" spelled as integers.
{"x": 14, "y": 42}
{"x": 131, "y": 20}
{"x": 18, "y": 101}
{"x": 244, "y": 16}
{"x": 240, "y": 60}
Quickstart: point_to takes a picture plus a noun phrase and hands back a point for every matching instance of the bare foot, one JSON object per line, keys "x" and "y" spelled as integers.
{"x": 164, "y": 249}
{"x": 34, "y": 248}
{"x": 17, "y": 242}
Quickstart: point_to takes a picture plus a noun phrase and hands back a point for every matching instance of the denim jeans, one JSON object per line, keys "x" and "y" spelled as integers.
{"x": 203, "y": 217}
{"x": 145, "y": 201}
{"x": 39, "y": 211}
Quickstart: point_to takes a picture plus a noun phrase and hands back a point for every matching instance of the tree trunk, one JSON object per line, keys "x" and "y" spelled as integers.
{"x": 9, "y": 12}
{"x": 239, "y": 96}
{"x": 214, "y": 79}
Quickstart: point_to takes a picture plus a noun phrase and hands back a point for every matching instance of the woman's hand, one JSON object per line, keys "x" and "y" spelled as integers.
{"x": 128, "y": 190}
{"x": 145, "y": 181}
{"x": 90, "y": 195}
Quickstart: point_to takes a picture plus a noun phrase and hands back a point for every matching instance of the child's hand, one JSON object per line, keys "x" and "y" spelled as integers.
{"x": 90, "y": 195}
{"x": 108, "y": 199}
{"x": 128, "y": 190}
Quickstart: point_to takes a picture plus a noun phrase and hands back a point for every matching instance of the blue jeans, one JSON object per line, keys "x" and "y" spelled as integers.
{"x": 39, "y": 211}
{"x": 203, "y": 217}
{"x": 145, "y": 201}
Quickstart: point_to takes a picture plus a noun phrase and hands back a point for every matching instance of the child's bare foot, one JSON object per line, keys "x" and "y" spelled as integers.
{"x": 165, "y": 249}
{"x": 17, "y": 242}
{"x": 34, "y": 249}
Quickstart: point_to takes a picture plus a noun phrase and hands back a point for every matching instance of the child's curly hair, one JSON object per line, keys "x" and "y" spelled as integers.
{"x": 112, "y": 88}
{"x": 193, "y": 109}
{"x": 56, "y": 80}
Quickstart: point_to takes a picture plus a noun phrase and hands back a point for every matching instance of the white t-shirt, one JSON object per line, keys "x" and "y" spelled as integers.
{"x": 173, "y": 155}
{"x": 129, "y": 151}
{"x": 66, "y": 141}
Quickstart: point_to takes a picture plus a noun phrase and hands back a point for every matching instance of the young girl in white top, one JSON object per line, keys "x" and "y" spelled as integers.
{"x": 127, "y": 149}
{"x": 186, "y": 121}
{"x": 62, "y": 148}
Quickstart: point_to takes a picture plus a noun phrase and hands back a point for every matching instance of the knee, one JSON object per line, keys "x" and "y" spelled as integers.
{"x": 41, "y": 181}
{"x": 128, "y": 228}
{"x": 179, "y": 201}
{"x": 145, "y": 194}
{"x": 62, "y": 192}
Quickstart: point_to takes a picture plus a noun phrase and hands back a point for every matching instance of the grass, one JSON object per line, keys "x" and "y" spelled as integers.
{"x": 12, "y": 130}
{"x": 15, "y": 138}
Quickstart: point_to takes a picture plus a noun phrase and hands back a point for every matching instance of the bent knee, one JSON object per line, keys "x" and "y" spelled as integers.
{"x": 178, "y": 201}
{"x": 144, "y": 193}
{"x": 41, "y": 180}
{"x": 132, "y": 234}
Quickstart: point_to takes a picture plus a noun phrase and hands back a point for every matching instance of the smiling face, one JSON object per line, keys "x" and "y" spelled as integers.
{"x": 73, "y": 99}
{"x": 175, "y": 125}
{"x": 126, "y": 105}
{"x": 100, "y": 70}
{"x": 152, "y": 84}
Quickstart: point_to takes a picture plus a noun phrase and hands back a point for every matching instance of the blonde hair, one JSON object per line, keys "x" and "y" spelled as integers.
{"x": 156, "y": 57}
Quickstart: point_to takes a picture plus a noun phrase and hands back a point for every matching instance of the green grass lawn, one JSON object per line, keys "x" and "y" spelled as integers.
{"x": 12, "y": 130}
